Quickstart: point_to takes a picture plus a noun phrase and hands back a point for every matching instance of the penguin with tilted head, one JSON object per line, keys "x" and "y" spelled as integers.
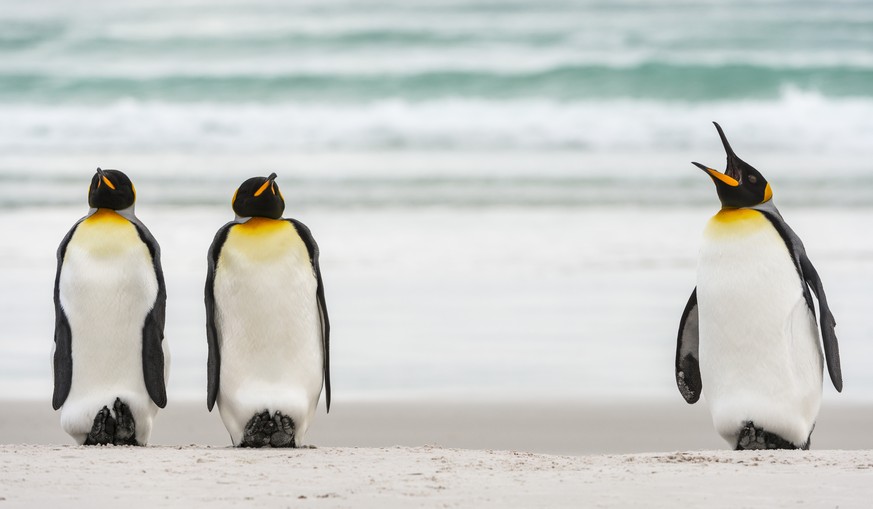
{"x": 110, "y": 358}
{"x": 266, "y": 322}
{"x": 748, "y": 337}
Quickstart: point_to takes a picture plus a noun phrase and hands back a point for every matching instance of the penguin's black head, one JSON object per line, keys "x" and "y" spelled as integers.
{"x": 111, "y": 189}
{"x": 259, "y": 197}
{"x": 740, "y": 185}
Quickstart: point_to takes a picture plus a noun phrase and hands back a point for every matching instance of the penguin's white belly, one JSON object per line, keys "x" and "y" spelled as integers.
{"x": 760, "y": 358}
{"x": 269, "y": 326}
{"x": 107, "y": 286}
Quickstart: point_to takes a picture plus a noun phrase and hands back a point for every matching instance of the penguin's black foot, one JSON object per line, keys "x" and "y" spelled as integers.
{"x": 125, "y": 426}
{"x": 284, "y": 434}
{"x": 754, "y": 438}
{"x": 103, "y": 430}
{"x": 258, "y": 431}
{"x": 265, "y": 431}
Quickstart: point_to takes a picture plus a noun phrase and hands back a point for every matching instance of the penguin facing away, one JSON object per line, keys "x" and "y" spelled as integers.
{"x": 110, "y": 361}
{"x": 748, "y": 336}
{"x": 266, "y": 322}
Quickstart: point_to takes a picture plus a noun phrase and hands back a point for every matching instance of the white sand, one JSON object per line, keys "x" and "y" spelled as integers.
{"x": 374, "y": 454}
{"x": 43, "y": 476}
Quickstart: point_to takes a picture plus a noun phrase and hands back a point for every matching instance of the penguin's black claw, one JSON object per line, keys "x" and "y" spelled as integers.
{"x": 125, "y": 428}
{"x": 103, "y": 430}
{"x": 258, "y": 431}
{"x": 754, "y": 438}
{"x": 284, "y": 434}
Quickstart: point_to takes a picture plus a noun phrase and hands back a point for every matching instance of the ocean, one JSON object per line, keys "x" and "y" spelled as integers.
{"x": 338, "y": 75}
{"x": 502, "y": 189}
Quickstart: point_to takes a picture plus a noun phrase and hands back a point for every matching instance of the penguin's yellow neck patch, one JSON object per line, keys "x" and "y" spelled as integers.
{"x": 105, "y": 216}
{"x": 106, "y": 233}
{"x": 731, "y": 221}
{"x": 261, "y": 225}
{"x": 262, "y": 239}
{"x": 735, "y": 215}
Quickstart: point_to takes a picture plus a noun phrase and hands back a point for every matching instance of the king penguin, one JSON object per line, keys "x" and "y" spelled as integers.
{"x": 748, "y": 337}
{"x": 266, "y": 322}
{"x": 110, "y": 359}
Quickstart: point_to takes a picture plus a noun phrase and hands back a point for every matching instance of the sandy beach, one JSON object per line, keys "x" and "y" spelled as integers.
{"x": 429, "y": 476}
{"x": 509, "y": 227}
{"x": 442, "y": 454}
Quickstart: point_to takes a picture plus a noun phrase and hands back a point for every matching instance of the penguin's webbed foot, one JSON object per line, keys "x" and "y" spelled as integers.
{"x": 258, "y": 431}
{"x": 109, "y": 430}
{"x": 265, "y": 431}
{"x": 284, "y": 434}
{"x": 125, "y": 426}
{"x": 103, "y": 430}
{"x": 754, "y": 438}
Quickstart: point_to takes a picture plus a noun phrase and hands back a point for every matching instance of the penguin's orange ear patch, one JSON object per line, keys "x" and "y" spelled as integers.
{"x": 768, "y": 193}
{"x": 233, "y": 200}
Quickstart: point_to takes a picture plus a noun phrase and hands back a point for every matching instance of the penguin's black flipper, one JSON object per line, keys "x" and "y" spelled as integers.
{"x": 312, "y": 247}
{"x": 687, "y": 359}
{"x": 63, "y": 356}
{"x": 213, "y": 362}
{"x": 153, "y": 327}
{"x": 827, "y": 323}
{"x": 809, "y": 279}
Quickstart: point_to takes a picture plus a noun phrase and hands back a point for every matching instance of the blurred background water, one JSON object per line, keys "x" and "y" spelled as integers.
{"x": 501, "y": 188}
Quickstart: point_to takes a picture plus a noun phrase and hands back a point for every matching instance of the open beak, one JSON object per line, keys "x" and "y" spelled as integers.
{"x": 734, "y": 163}
{"x": 717, "y": 175}
{"x": 733, "y": 175}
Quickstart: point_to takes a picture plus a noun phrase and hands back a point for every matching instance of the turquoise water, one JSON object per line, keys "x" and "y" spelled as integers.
{"x": 661, "y": 81}
{"x": 436, "y": 75}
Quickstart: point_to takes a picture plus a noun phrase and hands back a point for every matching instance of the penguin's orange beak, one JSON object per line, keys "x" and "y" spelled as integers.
{"x": 717, "y": 175}
{"x": 267, "y": 184}
{"x": 104, "y": 179}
